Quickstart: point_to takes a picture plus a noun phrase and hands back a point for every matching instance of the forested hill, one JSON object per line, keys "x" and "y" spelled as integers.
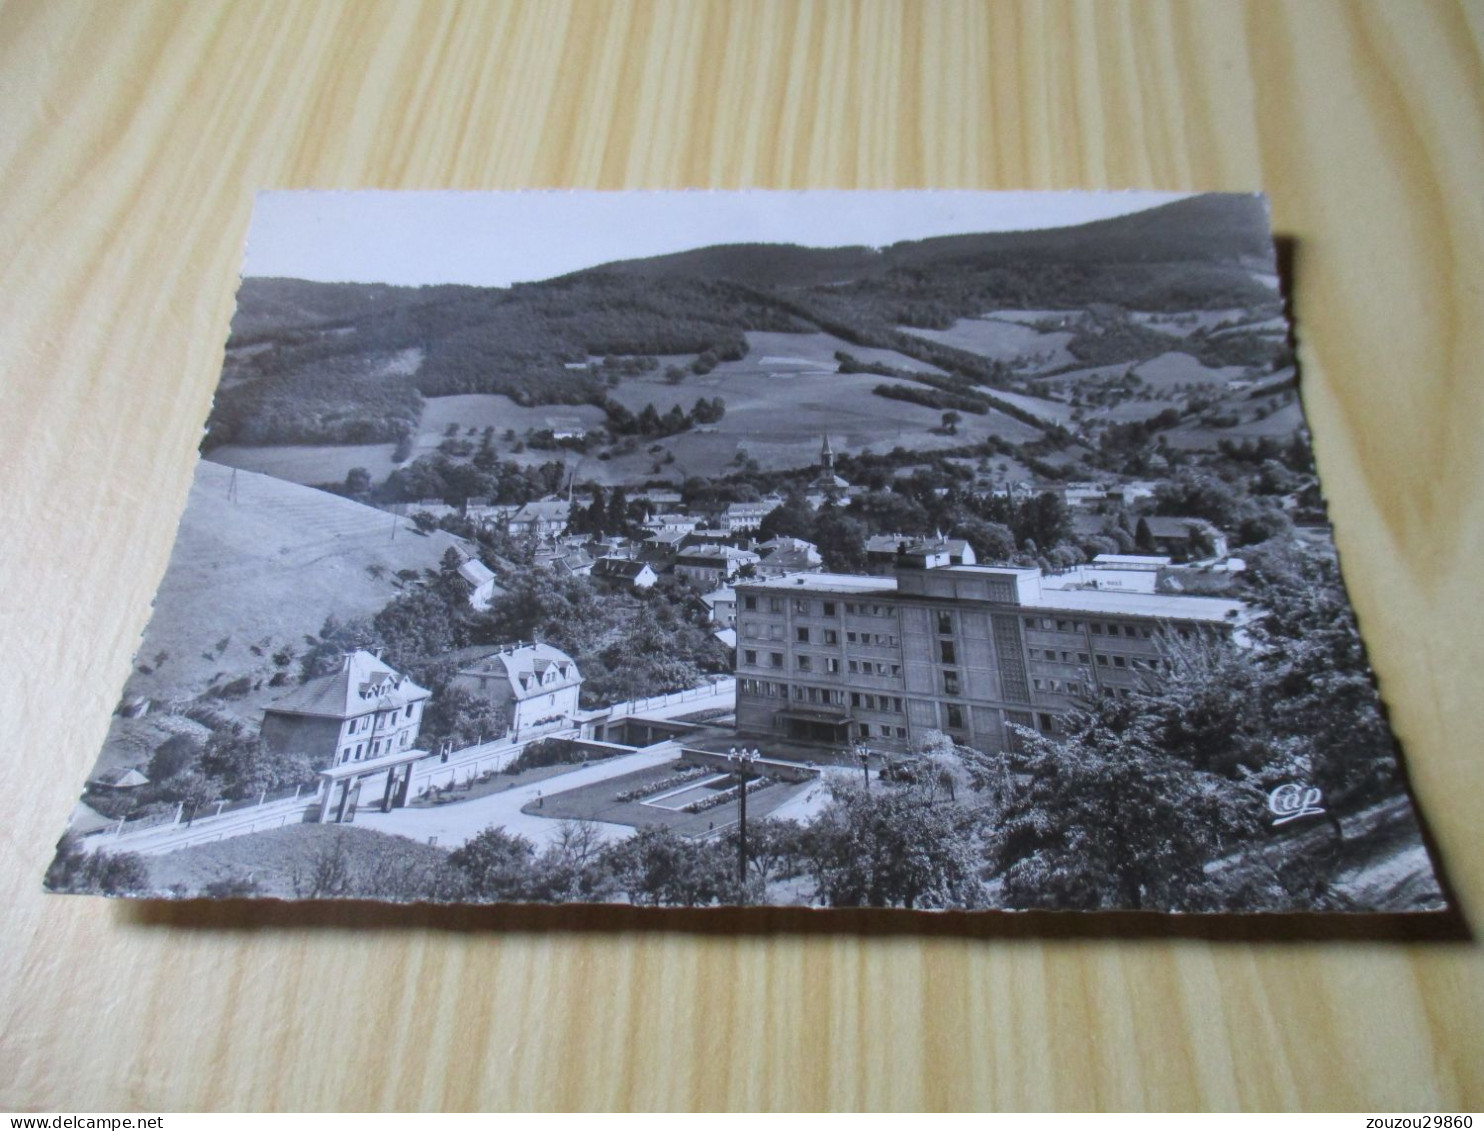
{"x": 1217, "y": 228}
{"x": 350, "y": 362}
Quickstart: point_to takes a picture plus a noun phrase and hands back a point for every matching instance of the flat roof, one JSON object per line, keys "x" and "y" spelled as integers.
{"x": 1130, "y": 560}
{"x": 1159, "y": 605}
{"x": 823, "y": 583}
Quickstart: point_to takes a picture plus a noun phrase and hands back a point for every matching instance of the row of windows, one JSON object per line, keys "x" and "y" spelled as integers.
{"x": 802, "y": 606}
{"x": 873, "y": 667}
{"x": 803, "y": 663}
{"x": 1104, "y": 628}
{"x": 1138, "y": 663}
{"x": 764, "y": 687}
{"x": 365, "y": 722}
{"x": 378, "y": 747}
{"x": 1059, "y": 657}
{"x": 752, "y": 631}
{"x": 882, "y": 731}
{"x": 829, "y": 696}
{"x": 826, "y": 636}
{"x": 1097, "y": 628}
{"x": 1059, "y": 686}
{"x": 868, "y": 702}
{"x": 767, "y": 689}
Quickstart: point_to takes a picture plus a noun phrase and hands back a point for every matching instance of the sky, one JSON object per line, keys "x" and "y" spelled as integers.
{"x": 499, "y": 238}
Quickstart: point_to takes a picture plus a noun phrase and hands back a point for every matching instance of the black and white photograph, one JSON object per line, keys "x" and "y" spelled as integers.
{"x": 921, "y": 550}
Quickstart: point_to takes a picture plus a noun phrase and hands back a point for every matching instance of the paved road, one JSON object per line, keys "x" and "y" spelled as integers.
{"x": 455, "y": 823}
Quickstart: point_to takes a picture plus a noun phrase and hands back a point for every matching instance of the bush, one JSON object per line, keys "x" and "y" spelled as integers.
{"x": 108, "y": 873}
{"x": 553, "y": 752}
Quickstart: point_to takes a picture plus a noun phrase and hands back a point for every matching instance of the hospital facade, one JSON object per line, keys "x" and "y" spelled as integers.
{"x": 840, "y": 659}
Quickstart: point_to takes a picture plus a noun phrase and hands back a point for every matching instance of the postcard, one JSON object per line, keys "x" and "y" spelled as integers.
{"x": 926, "y": 550}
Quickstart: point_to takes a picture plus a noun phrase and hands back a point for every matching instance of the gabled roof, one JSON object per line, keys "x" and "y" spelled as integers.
{"x": 476, "y": 573}
{"x": 1162, "y": 526}
{"x": 792, "y": 558}
{"x": 619, "y": 569}
{"x": 548, "y": 509}
{"x": 362, "y": 685}
{"x": 785, "y": 542}
{"x": 693, "y": 555}
{"x": 764, "y": 506}
{"x": 531, "y": 669}
{"x": 123, "y": 779}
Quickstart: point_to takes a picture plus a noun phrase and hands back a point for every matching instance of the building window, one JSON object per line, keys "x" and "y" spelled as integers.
{"x": 775, "y": 604}
{"x": 1102, "y": 660}
{"x": 950, "y": 683}
{"x": 1119, "y": 662}
{"x": 1047, "y": 723}
{"x": 801, "y": 635}
{"x": 955, "y": 717}
{"x": 1097, "y": 629}
{"x": 832, "y": 665}
{"x": 831, "y": 636}
{"x": 1082, "y": 658}
{"x": 946, "y": 652}
{"x": 829, "y": 608}
{"x": 945, "y": 623}
{"x": 855, "y": 667}
{"x": 801, "y": 606}
{"x": 749, "y": 657}
{"x": 776, "y": 658}
{"x": 750, "y": 603}
{"x": 901, "y": 732}
{"x": 804, "y": 664}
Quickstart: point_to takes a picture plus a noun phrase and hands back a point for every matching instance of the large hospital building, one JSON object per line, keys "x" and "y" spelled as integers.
{"x": 839, "y": 658}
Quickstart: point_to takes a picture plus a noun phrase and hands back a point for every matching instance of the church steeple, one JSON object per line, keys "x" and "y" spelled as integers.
{"x": 826, "y": 455}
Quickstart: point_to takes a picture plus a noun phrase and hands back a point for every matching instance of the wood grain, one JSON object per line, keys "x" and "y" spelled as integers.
{"x": 132, "y": 137}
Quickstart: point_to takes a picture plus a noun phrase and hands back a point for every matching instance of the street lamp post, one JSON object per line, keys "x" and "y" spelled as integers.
{"x": 863, "y": 756}
{"x": 742, "y": 761}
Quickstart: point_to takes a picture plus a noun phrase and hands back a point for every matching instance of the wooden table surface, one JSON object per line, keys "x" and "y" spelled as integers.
{"x": 132, "y": 138}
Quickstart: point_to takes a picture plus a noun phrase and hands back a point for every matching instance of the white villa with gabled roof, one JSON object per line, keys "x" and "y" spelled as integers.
{"x": 535, "y": 684}
{"x": 362, "y": 721}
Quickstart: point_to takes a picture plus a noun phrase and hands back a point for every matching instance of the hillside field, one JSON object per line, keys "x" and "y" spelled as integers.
{"x": 1003, "y": 339}
{"x": 781, "y": 398}
{"x": 256, "y": 573}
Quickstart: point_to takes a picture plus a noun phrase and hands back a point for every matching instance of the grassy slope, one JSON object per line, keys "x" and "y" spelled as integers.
{"x": 271, "y": 857}
{"x": 263, "y": 571}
